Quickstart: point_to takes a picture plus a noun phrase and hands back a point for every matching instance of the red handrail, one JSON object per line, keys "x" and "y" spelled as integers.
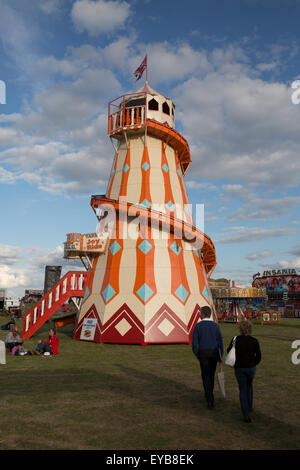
{"x": 51, "y": 302}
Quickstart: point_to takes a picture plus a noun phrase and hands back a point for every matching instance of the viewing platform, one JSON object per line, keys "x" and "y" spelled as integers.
{"x": 152, "y": 112}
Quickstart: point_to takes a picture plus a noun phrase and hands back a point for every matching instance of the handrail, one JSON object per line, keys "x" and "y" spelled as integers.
{"x": 70, "y": 285}
{"x": 206, "y": 247}
{"x": 126, "y": 117}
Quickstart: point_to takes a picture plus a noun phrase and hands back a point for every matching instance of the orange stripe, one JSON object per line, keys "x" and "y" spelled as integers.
{"x": 112, "y": 271}
{"x": 145, "y": 267}
{"x": 198, "y": 263}
{"x": 112, "y": 177}
{"x": 125, "y": 174}
{"x": 178, "y": 273}
{"x": 167, "y": 182}
{"x": 89, "y": 285}
{"x": 145, "y": 189}
{"x": 182, "y": 187}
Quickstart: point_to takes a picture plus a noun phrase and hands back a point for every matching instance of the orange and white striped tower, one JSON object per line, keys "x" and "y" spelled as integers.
{"x": 151, "y": 282}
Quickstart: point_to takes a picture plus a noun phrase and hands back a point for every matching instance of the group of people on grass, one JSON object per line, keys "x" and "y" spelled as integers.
{"x": 14, "y": 342}
{"x": 208, "y": 347}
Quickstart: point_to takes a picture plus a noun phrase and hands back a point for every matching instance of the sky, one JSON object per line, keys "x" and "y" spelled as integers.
{"x": 228, "y": 65}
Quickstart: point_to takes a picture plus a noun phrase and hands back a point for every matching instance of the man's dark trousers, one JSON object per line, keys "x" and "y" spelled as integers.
{"x": 208, "y": 359}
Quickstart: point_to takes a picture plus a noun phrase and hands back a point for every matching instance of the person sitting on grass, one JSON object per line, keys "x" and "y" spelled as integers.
{"x": 9, "y": 325}
{"x": 13, "y": 338}
{"x": 50, "y": 346}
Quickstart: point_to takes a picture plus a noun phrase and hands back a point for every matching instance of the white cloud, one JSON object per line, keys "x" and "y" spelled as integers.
{"x": 51, "y": 6}
{"x": 14, "y": 32}
{"x": 192, "y": 184}
{"x": 233, "y": 191}
{"x": 13, "y": 117}
{"x": 55, "y": 257}
{"x": 250, "y": 234}
{"x": 30, "y": 273}
{"x": 12, "y": 278}
{"x": 283, "y": 264}
{"x": 266, "y": 67}
{"x": 18, "y": 33}
{"x": 168, "y": 62}
{"x": 264, "y": 208}
{"x": 97, "y": 17}
{"x": 295, "y": 250}
{"x": 255, "y": 256}
{"x": 10, "y": 255}
{"x": 242, "y": 277}
{"x": 239, "y": 127}
{"x": 7, "y": 177}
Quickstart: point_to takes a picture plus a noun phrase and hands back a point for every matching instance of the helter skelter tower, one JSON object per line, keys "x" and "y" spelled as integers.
{"x": 150, "y": 283}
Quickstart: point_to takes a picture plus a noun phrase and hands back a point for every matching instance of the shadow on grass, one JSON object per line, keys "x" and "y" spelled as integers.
{"x": 147, "y": 392}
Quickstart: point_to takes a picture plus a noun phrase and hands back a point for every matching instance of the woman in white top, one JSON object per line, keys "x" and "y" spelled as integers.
{"x": 13, "y": 338}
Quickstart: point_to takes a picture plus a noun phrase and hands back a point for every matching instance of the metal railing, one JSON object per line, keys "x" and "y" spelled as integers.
{"x": 128, "y": 117}
{"x": 121, "y": 115}
{"x": 72, "y": 284}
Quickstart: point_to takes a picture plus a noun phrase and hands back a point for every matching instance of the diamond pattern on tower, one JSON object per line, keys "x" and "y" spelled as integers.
{"x": 145, "y": 247}
{"x": 126, "y": 168}
{"x": 123, "y": 327}
{"x": 166, "y": 327}
{"x": 115, "y": 247}
{"x": 205, "y": 293}
{"x": 145, "y": 166}
{"x": 181, "y": 293}
{"x": 176, "y": 248}
{"x": 144, "y": 293}
{"x": 165, "y": 168}
{"x": 108, "y": 293}
{"x": 146, "y": 203}
{"x": 170, "y": 206}
{"x": 86, "y": 294}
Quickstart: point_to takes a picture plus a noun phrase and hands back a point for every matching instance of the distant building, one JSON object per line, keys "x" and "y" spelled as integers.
{"x": 2, "y": 298}
{"x": 33, "y": 296}
{"x": 282, "y": 289}
{"x": 52, "y": 277}
{"x": 225, "y": 294}
{"x": 10, "y": 303}
{"x": 219, "y": 283}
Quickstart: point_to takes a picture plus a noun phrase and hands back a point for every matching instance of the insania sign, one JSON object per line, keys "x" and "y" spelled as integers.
{"x": 281, "y": 272}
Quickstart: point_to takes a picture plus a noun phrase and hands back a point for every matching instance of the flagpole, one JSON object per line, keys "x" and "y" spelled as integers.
{"x": 147, "y": 68}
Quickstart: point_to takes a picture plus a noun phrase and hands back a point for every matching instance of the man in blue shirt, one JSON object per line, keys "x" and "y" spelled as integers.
{"x": 207, "y": 346}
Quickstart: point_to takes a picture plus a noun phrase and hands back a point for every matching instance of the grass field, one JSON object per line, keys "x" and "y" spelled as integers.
{"x": 105, "y": 396}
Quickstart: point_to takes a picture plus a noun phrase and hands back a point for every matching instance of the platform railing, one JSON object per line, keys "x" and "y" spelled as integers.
{"x": 126, "y": 117}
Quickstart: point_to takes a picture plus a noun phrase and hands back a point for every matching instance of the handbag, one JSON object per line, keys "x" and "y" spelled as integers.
{"x": 221, "y": 380}
{"x": 230, "y": 358}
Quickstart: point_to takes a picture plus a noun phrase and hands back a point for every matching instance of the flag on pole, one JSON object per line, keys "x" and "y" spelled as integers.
{"x": 140, "y": 70}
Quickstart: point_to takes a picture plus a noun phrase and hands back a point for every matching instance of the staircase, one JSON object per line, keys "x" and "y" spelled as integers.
{"x": 71, "y": 285}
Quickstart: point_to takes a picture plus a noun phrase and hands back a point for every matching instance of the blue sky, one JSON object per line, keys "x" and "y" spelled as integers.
{"x": 227, "y": 64}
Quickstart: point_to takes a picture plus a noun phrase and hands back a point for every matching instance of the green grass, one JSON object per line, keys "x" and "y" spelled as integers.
{"x": 105, "y": 396}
